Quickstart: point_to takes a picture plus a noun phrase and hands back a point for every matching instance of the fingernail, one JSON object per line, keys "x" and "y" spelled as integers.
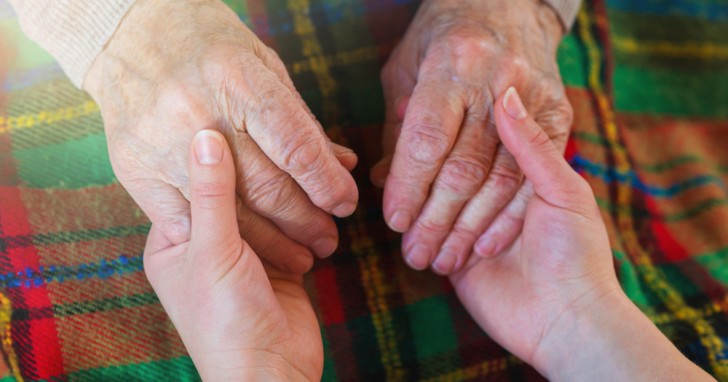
{"x": 485, "y": 247}
{"x": 344, "y": 209}
{"x": 444, "y": 262}
{"x": 325, "y": 246}
{"x": 418, "y": 257}
{"x": 208, "y": 147}
{"x": 400, "y": 221}
{"x": 513, "y": 105}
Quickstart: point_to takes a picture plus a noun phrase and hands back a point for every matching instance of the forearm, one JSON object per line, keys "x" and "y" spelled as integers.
{"x": 73, "y": 31}
{"x": 613, "y": 342}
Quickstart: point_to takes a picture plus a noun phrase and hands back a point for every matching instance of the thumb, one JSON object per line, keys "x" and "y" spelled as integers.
{"x": 536, "y": 154}
{"x": 212, "y": 191}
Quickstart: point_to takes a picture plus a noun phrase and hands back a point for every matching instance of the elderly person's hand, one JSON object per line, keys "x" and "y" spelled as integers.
{"x": 240, "y": 319}
{"x": 449, "y": 184}
{"x": 552, "y": 298}
{"x": 173, "y": 65}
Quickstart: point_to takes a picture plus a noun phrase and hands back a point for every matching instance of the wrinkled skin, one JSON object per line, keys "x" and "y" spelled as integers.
{"x": 156, "y": 89}
{"x": 448, "y": 183}
{"x": 239, "y": 318}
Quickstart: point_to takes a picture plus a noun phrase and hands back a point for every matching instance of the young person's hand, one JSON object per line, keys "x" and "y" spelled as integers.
{"x": 552, "y": 298}
{"x": 240, "y": 319}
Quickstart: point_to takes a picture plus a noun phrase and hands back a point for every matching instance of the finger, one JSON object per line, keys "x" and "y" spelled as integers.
{"x": 296, "y": 144}
{"x": 390, "y": 133}
{"x": 345, "y": 155}
{"x": 507, "y": 225}
{"x": 460, "y": 178}
{"x": 269, "y": 243}
{"x": 274, "y": 195}
{"x": 165, "y": 207}
{"x": 212, "y": 191}
{"x": 480, "y": 211}
{"x": 270, "y": 58}
{"x": 430, "y": 126}
{"x": 539, "y": 158}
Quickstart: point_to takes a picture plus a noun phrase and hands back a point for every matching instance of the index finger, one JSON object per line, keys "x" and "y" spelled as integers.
{"x": 431, "y": 124}
{"x": 289, "y": 136}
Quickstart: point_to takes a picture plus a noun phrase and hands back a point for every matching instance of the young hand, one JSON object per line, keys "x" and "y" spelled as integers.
{"x": 239, "y": 318}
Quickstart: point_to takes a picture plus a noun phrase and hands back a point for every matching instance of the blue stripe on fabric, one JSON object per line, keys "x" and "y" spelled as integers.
{"x": 610, "y": 175}
{"x": 102, "y": 269}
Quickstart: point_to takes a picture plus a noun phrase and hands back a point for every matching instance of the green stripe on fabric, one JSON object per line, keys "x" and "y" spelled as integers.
{"x": 671, "y": 92}
{"x": 74, "y": 164}
{"x": 572, "y": 62}
{"x": 178, "y": 369}
{"x": 658, "y": 167}
{"x": 432, "y": 327}
{"x": 8, "y": 379}
{"x": 329, "y": 373}
{"x": 672, "y": 29}
{"x": 715, "y": 263}
{"x": 114, "y": 303}
{"x": 629, "y": 280}
{"x": 89, "y": 235}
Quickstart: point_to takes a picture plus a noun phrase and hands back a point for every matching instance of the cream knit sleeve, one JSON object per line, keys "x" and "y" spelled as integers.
{"x": 566, "y": 9}
{"x": 73, "y": 31}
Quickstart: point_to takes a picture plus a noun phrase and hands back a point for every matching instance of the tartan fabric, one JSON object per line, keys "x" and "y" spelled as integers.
{"x": 648, "y": 83}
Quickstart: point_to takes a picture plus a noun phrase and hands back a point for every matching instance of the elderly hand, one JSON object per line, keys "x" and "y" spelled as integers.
{"x": 173, "y": 68}
{"x": 239, "y": 319}
{"x": 552, "y": 298}
{"x": 448, "y": 182}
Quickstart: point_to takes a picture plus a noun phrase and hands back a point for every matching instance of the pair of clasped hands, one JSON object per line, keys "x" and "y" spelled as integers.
{"x": 238, "y": 218}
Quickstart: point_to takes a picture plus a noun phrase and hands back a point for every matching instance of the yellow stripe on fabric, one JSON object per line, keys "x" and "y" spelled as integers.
{"x": 688, "y": 49}
{"x": 667, "y": 294}
{"x": 339, "y": 59}
{"x": 47, "y": 117}
{"x": 477, "y": 371}
{"x": 372, "y": 278}
{"x": 6, "y": 313}
{"x": 313, "y": 52}
{"x": 708, "y": 310}
{"x": 376, "y": 289}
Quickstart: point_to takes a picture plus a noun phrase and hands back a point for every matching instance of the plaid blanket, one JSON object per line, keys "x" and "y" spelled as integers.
{"x": 649, "y": 83}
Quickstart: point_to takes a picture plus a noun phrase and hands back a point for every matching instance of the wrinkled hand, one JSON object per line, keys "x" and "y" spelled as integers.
{"x": 449, "y": 184}
{"x": 173, "y": 68}
{"x": 239, "y": 319}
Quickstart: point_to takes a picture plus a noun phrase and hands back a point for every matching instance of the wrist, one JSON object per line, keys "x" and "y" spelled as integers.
{"x": 610, "y": 339}
{"x": 533, "y": 17}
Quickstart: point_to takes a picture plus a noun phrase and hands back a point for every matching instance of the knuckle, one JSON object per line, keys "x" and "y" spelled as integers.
{"x": 539, "y": 140}
{"x": 463, "y": 176}
{"x": 429, "y": 228}
{"x": 210, "y": 195}
{"x": 427, "y": 145}
{"x": 303, "y": 154}
{"x": 503, "y": 183}
{"x": 272, "y": 194}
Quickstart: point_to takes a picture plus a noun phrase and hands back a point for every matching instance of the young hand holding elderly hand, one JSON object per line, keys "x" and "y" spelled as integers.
{"x": 156, "y": 89}
{"x": 448, "y": 184}
{"x": 552, "y": 298}
{"x": 239, "y": 318}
